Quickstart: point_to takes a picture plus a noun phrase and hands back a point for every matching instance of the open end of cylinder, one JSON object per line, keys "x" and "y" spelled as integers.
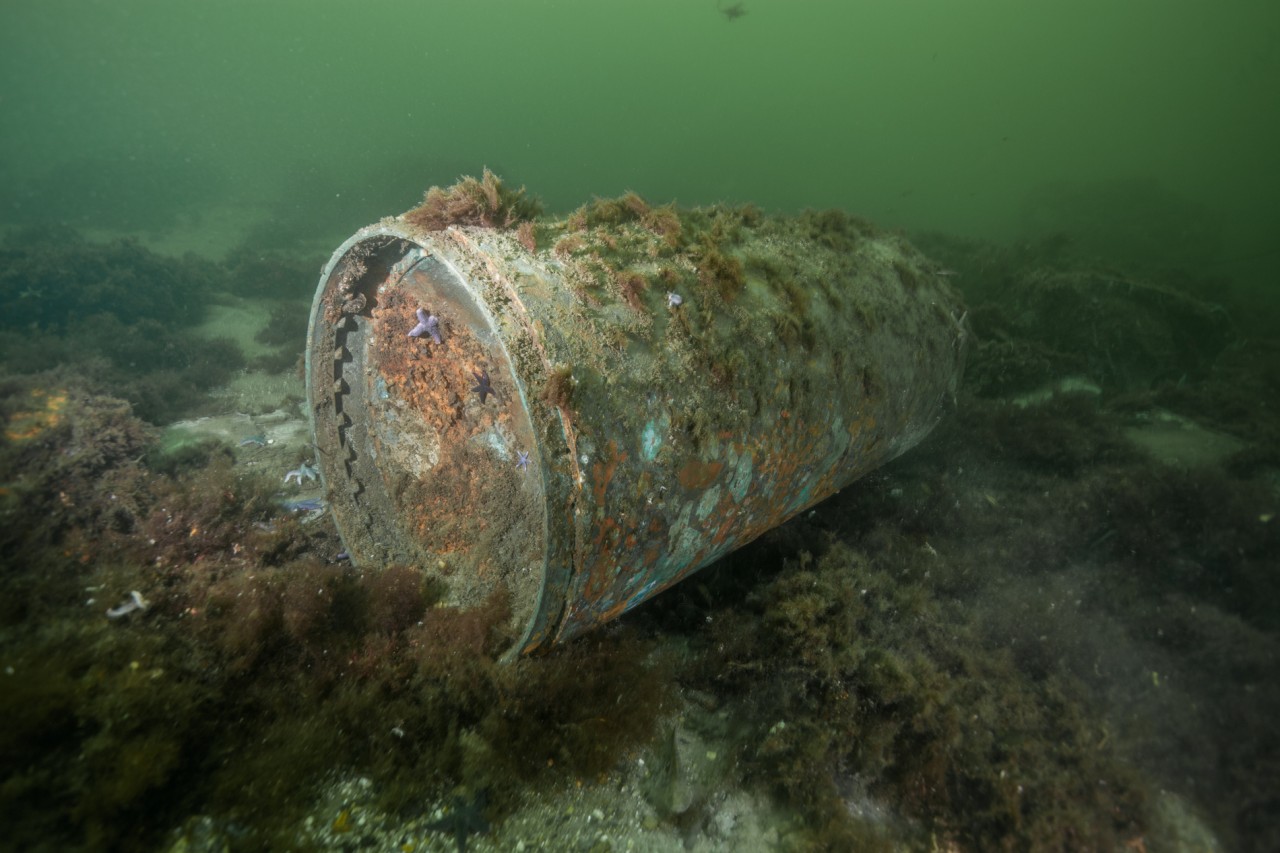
{"x": 424, "y": 439}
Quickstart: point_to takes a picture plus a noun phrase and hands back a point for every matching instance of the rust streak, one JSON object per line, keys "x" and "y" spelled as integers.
{"x": 602, "y": 472}
{"x": 698, "y": 474}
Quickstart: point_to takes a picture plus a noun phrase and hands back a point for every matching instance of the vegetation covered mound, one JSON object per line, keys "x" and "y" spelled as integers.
{"x": 124, "y": 317}
{"x": 485, "y": 201}
{"x": 990, "y": 644}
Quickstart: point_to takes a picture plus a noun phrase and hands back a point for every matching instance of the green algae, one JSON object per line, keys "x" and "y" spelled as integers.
{"x": 859, "y": 672}
{"x": 257, "y": 669}
{"x": 1023, "y": 608}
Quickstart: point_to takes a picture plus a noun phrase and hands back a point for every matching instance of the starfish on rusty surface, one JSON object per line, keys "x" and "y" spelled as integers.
{"x": 483, "y": 386}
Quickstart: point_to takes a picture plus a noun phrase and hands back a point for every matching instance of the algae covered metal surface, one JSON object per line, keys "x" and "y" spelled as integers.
{"x": 583, "y": 411}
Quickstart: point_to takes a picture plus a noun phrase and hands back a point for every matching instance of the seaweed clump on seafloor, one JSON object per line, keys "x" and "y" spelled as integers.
{"x": 104, "y": 730}
{"x": 484, "y": 202}
{"x": 98, "y": 717}
{"x": 165, "y": 373}
{"x": 1065, "y": 435}
{"x": 176, "y": 643}
{"x": 413, "y": 690}
{"x": 861, "y": 686}
{"x": 54, "y": 279}
{"x": 117, "y": 312}
{"x": 69, "y": 462}
{"x": 1124, "y": 333}
{"x": 1196, "y": 532}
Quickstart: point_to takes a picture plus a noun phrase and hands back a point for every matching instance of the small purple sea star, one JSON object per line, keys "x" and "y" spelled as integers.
{"x": 483, "y": 387}
{"x": 428, "y": 324}
{"x": 523, "y": 462}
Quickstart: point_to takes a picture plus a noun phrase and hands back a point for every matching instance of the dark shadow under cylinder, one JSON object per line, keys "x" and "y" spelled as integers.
{"x": 578, "y": 413}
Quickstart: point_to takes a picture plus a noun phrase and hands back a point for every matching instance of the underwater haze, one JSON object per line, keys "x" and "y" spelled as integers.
{"x": 1013, "y": 262}
{"x": 980, "y": 118}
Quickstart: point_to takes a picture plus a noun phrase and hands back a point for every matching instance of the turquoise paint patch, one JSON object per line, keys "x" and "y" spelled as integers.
{"x": 741, "y": 479}
{"x": 802, "y": 498}
{"x": 708, "y": 502}
{"x": 651, "y": 441}
{"x": 683, "y": 540}
{"x": 688, "y": 544}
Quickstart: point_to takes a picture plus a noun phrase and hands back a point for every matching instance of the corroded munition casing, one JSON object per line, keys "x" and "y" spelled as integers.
{"x": 615, "y": 399}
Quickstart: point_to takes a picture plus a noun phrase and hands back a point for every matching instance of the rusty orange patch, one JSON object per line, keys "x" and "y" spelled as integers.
{"x": 602, "y": 473}
{"x": 698, "y": 474}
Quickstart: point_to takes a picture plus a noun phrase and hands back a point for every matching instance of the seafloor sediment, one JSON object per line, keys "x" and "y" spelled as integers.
{"x": 1051, "y": 626}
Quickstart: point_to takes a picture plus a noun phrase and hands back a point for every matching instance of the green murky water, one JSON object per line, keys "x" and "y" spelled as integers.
{"x": 1051, "y": 626}
{"x": 958, "y": 117}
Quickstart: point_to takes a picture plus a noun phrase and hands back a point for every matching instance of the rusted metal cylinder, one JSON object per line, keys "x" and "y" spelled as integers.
{"x": 581, "y": 412}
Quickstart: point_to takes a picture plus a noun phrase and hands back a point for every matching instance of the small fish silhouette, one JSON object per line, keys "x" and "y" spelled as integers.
{"x": 731, "y": 13}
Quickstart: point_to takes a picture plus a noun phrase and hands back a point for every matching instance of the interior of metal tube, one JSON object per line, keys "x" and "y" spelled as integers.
{"x": 424, "y": 439}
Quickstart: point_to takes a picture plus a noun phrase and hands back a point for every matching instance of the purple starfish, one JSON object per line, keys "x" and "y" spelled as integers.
{"x": 482, "y": 385}
{"x": 523, "y": 462}
{"x": 428, "y": 324}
